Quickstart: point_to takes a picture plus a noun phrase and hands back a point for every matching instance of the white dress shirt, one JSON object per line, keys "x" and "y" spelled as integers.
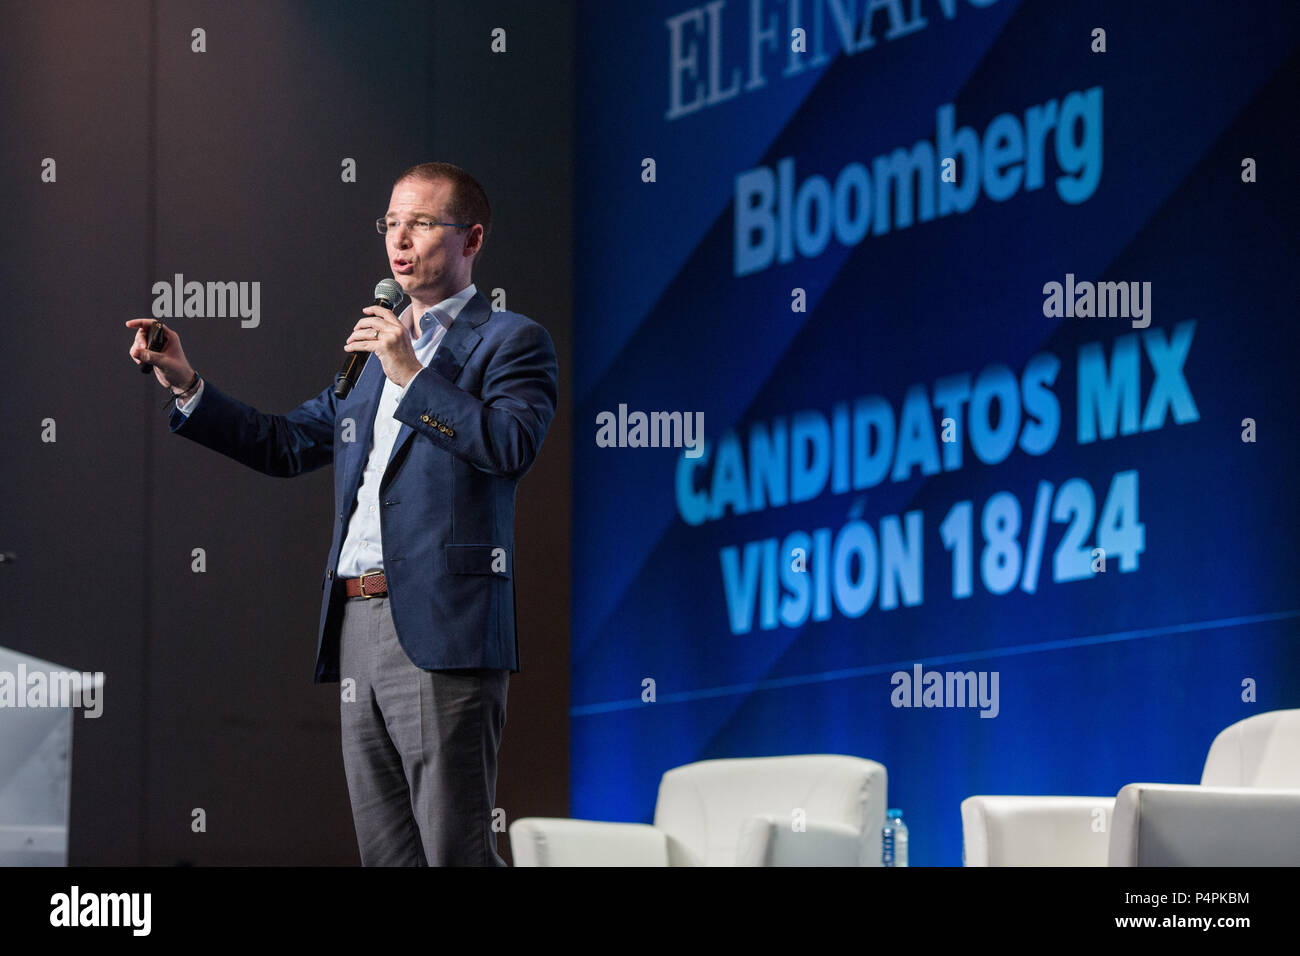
{"x": 362, "y": 548}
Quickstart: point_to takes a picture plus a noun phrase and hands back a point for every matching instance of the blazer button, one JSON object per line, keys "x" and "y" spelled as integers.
{"x": 424, "y": 418}
{"x": 451, "y": 433}
{"x": 329, "y": 574}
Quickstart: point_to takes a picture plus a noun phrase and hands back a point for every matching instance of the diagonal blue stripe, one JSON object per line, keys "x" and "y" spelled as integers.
{"x": 727, "y": 690}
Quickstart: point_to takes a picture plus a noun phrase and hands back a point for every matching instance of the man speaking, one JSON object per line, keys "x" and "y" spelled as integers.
{"x": 418, "y": 603}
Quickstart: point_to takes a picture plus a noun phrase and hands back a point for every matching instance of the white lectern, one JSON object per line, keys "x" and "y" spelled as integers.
{"x": 35, "y": 767}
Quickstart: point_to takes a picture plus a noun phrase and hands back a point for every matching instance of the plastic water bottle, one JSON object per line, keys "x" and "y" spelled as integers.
{"x": 893, "y": 840}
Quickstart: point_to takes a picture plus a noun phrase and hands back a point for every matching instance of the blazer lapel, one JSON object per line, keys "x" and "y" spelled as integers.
{"x": 449, "y": 360}
{"x": 360, "y": 406}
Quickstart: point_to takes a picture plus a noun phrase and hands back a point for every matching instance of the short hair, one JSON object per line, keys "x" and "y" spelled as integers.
{"x": 468, "y": 204}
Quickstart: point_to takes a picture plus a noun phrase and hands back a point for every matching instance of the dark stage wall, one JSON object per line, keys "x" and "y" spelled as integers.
{"x": 225, "y": 166}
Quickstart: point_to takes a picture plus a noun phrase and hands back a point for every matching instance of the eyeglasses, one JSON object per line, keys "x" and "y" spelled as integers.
{"x": 421, "y": 227}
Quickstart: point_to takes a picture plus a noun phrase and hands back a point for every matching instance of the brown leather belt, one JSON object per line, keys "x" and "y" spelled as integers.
{"x": 369, "y": 585}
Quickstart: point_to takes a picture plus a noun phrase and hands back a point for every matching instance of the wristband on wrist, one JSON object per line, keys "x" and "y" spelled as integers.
{"x": 179, "y": 396}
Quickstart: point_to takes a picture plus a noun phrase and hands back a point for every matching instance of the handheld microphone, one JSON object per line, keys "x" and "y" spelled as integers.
{"x": 387, "y": 293}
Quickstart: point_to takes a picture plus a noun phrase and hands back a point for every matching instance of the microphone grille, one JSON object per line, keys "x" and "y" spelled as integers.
{"x": 389, "y": 291}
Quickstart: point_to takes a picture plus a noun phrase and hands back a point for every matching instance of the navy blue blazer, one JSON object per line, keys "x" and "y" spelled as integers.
{"x": 472, "y": 423}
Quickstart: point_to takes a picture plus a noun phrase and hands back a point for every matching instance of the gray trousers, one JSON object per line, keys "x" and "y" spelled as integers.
{"x": 419, "y": 749}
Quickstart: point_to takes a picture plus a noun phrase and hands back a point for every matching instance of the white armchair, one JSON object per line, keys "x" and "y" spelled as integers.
{"x": 1036, "y": 831}
{"x": 808, "y": 810}
{"x": 1245, "y": 812}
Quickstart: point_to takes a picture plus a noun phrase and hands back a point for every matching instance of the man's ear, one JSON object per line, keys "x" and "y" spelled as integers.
{"x": 474, "y": 241}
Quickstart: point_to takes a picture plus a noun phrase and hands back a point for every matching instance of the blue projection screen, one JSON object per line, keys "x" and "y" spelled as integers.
{"x": 934, "y": 392}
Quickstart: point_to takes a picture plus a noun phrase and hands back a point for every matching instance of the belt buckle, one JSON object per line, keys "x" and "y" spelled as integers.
{"x": 364, "y": 575}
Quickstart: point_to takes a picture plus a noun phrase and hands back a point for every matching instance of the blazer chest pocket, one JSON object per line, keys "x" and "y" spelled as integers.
{"x": 478, "y": 559}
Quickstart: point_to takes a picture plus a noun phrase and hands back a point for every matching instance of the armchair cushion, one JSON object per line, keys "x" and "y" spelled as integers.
{"x": 773, "y": 841}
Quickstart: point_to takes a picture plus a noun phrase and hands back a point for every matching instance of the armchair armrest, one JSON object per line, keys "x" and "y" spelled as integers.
{"x": 771, "y": 841}
{"x": 1036, "y": 831}
{"x": 555, "y": 841}
{"x": 1187, "y": 825}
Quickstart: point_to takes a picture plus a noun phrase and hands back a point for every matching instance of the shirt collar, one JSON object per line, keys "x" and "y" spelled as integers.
{"x": 444, "y": 312}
